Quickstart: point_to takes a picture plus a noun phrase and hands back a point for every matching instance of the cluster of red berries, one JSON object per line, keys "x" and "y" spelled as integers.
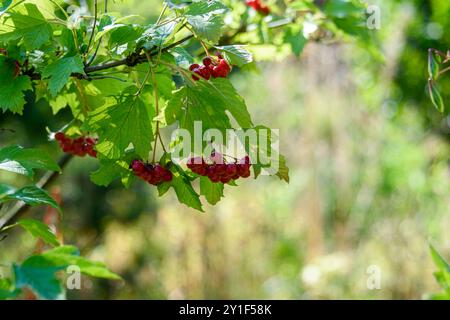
{"x": 211, "y": 68}
{"x": 153, "y": 174}
{"x": 259, "y": 7}
{"x": 81, "y": 146}
{"x": 218, "y": 170}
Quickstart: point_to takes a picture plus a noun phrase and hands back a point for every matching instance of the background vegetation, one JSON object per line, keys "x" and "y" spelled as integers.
{"x": 369, "y": 159}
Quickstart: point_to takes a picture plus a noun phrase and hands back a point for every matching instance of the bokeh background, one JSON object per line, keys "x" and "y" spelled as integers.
{"x": 369, "y": 159}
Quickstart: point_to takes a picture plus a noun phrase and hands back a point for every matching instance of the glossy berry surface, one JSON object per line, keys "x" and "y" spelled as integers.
{"x": 81, "y": 146}
{"x": 212, "y": 67}
{"x": 218, "y": 170}
{"x": 153, "y": 174}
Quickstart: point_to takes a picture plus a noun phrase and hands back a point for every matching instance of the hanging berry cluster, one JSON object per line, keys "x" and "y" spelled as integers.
{"x": 218, "y": 170}
{"x": 211, "y": 68}
{"x": 259, "y": 7}
{"x": 81, "y": 146}
{"x": 153, "y": 174}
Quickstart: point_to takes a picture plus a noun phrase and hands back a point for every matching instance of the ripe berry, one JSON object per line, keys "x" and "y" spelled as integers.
{"x": 153, "y": 174}
{"x": 80, "y": 146}
{"x": 258, "y": 6}
{"x": 211, "y": 67}
{"x": 207, "y": 61}
{"x": 218, "y": 170}
{"x": 60, "y": 136}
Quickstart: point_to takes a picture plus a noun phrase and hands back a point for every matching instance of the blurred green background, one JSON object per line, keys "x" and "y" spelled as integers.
{"x": 369, "y": 160}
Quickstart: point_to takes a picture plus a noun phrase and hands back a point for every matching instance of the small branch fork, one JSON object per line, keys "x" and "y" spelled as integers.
{"x": 132, "y": 60}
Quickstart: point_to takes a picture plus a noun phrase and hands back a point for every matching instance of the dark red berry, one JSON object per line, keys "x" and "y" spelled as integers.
{"x": 207, "y": 61}
{"x": 59, "y": 136}
{"x": 167, "y": 176}
{"x": 231, "y": 169}
{"x": 194, "y": 66}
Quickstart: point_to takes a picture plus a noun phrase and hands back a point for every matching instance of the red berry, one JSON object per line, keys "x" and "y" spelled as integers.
{"x": 167, "y": 176}
{"x": 221, "y": 169}
{"x": 231, "y": 169}
{"x": 137, "y": 166}
{"x": 225, "y": 179}
{"x": 60, "y": 136}
{"x": 204, "y": 72}
{"x": 246, "y": 174}
{"x": 202, "y": 171}
{"x": 194, "y": 66}
{"x": 215, "y": 179}
{"x": 207, "y": 61}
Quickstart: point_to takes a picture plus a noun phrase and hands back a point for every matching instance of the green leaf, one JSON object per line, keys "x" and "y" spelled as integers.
{"x": 236, "y": 54}
{"x": 157, "y": 35}
{"x": 38, "y": 272}
{"x": 231, "y": 101}
{"x": 183, "y": 189}
{"x": 23, "y": 161}
{"x": 31, "y": 195}
{"x": 200, "y": 103}
{"x": 69, "y": 255}
{"x": 39, "y": 230}
{"x": 12, "y": 88}
{"x": 433, "y": 66}
{"x": 439, "y": 260}
{"x": 200, "y": 7}
{"x": 206, "y": 18}
{"x": 128, "y": 122}
{"x": 64, "y": 100}
{"x": 294, "y": 36}
{"x": 32, "y": 28}
{"x": 110, "y": 171}
{"x": 264, "y": 156}
{"x": 4, "y": 4}
{"x": 443, "y": 275}
{"x": 342, "y": 8}
{"x": 208, "y": 27}
{"x": 38, "y": 275}
{"x": 122, "y": 35}
{"x": 6, "y": 290}
{"x": 213, "y": 192}
{"x": 435, "y": 96}
{"x": 60, "y": 71}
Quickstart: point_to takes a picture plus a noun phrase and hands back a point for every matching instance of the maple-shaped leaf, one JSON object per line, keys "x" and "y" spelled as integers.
{"x": 32, "y": 28}
{"x": 183, "y": 189}
{"x": 213, "y": 192}
{"x": 12, "y": 87}
{"x": 121, "y": 126}
{"x": 208, "y": 101}
{"x": 206, "y": 18}
{"x": 60, "y": 71}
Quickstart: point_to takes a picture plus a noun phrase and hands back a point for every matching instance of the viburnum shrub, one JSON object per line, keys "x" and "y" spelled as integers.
{"x": 128, "y": 86}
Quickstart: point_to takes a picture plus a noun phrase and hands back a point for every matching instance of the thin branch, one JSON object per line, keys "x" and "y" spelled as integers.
{"x": 94, "y": 26}
{"x": 100, "y": 77}
{"x": 21, "y": 207}
{"x": 133, "y": 59}
{"x": 91, "y": 60}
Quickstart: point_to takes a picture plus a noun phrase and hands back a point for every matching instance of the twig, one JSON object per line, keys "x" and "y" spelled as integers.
{"x": 21, "y": 207}
{"x": 100, "y": 77}
{"x": 132, "y": 59}
{"x": 91, "y": 60}
{"x": 93, "y": 27}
